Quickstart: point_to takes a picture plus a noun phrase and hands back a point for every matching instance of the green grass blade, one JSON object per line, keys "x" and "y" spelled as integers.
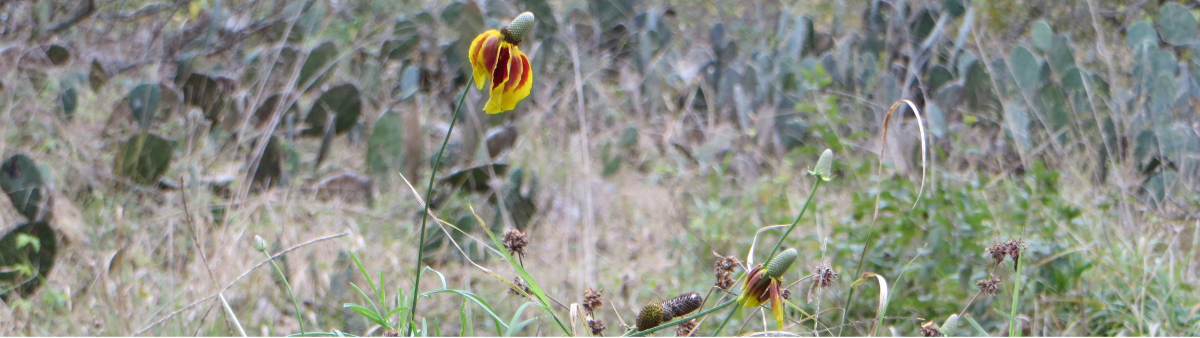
{"x": 464, "y": 314}
{"x": 974, "y": 324}
{"x": 370, "y": 315}
{"x": 529, "y": 281}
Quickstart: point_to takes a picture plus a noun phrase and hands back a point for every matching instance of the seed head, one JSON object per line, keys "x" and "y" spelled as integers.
{"x": 686, "y": 329}
{"x": 652, "y": 315}
{"x": 989, "y": 285}
{"x": 998, "y": 252}
{"x": 515, "y": 31}
{"x": 391, "y": 333}
{"x": 824, "y": 168}
{"x": 260, "y": 244}
{"x": 515, "y": 241}
{"x": 928, "y": 329}
{"x": 592, "y": 300}
{"x": 519, "y": 283}
{"x": 786, "y": 294}
{"x": 825, "y": 276}
{"x": 1014, "y": 247}
{"x": 682, "y": 305}
{"x": 779, "y": 265}
{"x": 724, "y": 267}
{"x": 597, "y": 326}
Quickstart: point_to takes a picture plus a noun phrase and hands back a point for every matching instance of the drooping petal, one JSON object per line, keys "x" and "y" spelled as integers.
{"x": 487, "y": 58}
{"x": 520, "y": 81}
{"x": 476, "y": 56}
{"x": 495, "y": 104}
{"x": 776, "y": 304}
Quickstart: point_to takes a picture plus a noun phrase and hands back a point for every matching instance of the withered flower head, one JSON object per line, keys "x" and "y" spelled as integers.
{"x": 515, "y": 241}
{"x": 1014, "y": 248}
{"x": 825, "y": 276}
{"x": 724, "y": 268}
{"x": 520, "y": 283}
{"x": 998, "y": 252}
{"x": 989, "y": 285}
{"x": 592, "y": 300}
{"x": 686, "y": 329}
{"x": 929, "y": 329}
{"x": 787, "y": 294}
{"x": 597, "y": 326}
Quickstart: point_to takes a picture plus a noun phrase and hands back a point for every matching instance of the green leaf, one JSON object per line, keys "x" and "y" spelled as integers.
{"x": 343, "y": 101}
{"x": 67, "y": 101}
{"x": 938, "y": 76}
{"x": 1176, "y": 24}
{"x": 30, "y": 249}
{"x": 1139, "y": 35}
{"x": 385, "y": 147}
{"x": 370, "y": 315}
{"x": 144, "y": 158}
{"x": 974, "y": 324}
{"x": 1060, "y": 54}
{"x": 318, "y": 67}
{"x": 58, "y": 54}
{"x": 23, "y": 182}
{"x": 1042, "y": 35}
{"x": 143, "y": 102}
{"x": 1025, "y": 68}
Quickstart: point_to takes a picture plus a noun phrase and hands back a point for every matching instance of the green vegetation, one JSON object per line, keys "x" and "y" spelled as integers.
{"x": 833, "y": 168}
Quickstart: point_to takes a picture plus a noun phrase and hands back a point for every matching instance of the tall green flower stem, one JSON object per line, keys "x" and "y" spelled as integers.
{"x": 412, "y": 312}
{"x": 295, "y": 304}
{"x": 1014, "y": 327}
{"x": 807, "y": 201}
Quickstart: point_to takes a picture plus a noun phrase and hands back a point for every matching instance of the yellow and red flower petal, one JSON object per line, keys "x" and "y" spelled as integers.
{"x": 520, "y": 80}
{"x": 483, "y": 55}
{"x": 776, "y": 304}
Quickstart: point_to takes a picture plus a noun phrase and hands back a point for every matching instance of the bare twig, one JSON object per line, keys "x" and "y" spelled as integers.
{"x": 235, "y": 280}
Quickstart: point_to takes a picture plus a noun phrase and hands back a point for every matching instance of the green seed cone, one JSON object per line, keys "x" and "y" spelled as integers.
{"x": 651, "y": 315}
{"x": 824, "y": 168}
{"x": 781, "y": 263}
{"x": 515, "y": 31}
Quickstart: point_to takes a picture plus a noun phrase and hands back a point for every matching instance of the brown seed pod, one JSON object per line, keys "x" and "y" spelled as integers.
{"x": 682, "y": 305}
{"x": 652, "y": 315}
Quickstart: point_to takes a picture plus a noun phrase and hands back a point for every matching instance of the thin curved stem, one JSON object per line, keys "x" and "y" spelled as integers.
{"x": 726, "y": 321}
{"x": 295, "y": 304}
{"x": 789, "y": 230}
{"x": 412, "y": 313}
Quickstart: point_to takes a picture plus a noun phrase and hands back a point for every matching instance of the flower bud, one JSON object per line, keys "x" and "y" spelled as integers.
{"x": 515, "y": 31}
{"x": 824, "y": 168}
{"x": 260, "y": 244}
{"x": 779, "y": 265}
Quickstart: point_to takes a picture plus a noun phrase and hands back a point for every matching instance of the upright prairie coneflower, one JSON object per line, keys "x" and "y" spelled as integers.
{"x": 495, "y": 56}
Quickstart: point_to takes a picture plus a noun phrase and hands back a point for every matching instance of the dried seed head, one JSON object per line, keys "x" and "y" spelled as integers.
{"x": 824, "y": 169}
{"x": 686, "y": 329}
{"x": 1014, "y": 247}
{"x": 825, "y": 276}
{"x": 779, "y": 265}
{"x": 520, "y": 285}
{"x": 928, "y": 329}
{"x": 515, "y": 31}
{"x": 260, "y": 244}
{"x": 651, "y": 316}
{"x": 989, "y": 285}
{"x": 597, "y": 326}
{"x": 592, "y": 300}
{"x": 786, "y": 294}
{"x": 682, "y": 305}
{"x": 998, "y": 252}
{"x": 726, "y": 264}
{"x": 391, "y": 333}
{"x": 515, "y": 241}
